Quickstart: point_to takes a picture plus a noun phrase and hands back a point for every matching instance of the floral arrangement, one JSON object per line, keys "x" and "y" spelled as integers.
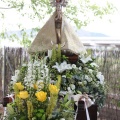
{"x": 43, "y": 88}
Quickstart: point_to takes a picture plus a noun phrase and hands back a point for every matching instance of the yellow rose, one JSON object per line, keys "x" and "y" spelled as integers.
{"x": 41, "y": 96}
{"x": 35, "y": 86}
{"x": 19, "y": 86}
{"x": 23, "y": 94}
{"x": 53, "y": 89}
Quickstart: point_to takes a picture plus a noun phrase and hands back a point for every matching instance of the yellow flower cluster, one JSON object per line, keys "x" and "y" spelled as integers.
{"x": 41, "y": 96}
{"x": 19, "y": 86}
{"x": 53, "y": 89}
{"x": 23, "y": 94}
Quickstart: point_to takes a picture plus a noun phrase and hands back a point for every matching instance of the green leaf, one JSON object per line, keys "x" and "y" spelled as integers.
{"x": 66, "y": 98}
{"x": 43, "y": 117}
{"x": 10, "y": 109}
{"x": 41, "y": 110}
{"x": 39, "y": 115}
{"x": 68, "y": 103}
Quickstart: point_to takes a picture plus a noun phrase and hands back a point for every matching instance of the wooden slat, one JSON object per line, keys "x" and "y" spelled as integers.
{"x": 1, "y": 58}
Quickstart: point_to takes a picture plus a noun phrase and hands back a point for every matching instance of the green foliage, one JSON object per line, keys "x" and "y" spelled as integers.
{"x": 22, "y": 74}
{"x": 59, "y": 53}
{"x": 56, "y": 55}
{"x": 37, "y": 10}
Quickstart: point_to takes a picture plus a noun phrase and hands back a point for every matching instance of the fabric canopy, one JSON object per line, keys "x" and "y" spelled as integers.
{"x": 46, "y": 38}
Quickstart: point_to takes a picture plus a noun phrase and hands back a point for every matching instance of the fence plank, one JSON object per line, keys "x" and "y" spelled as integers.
{"x": 1, "y": 58}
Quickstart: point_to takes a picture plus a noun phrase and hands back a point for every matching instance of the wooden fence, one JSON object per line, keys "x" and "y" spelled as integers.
{"x": 12, "y": 58}
{"x": 109, "y": 65}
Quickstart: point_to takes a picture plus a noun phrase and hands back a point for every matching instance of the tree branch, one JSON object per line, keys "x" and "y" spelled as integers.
{"x": 6, "y": 8}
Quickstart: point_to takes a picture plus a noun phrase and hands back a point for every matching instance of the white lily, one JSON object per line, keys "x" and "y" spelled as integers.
{"x": 85, "y": 60}
{"x": 94, "y": 65}
{"x": 62, "y": 67}
{"x": 100, "y": 77}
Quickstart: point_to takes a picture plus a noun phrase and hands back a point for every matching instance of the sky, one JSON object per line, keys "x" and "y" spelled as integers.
{"x": 104, "y": 26}
{"x": 99, "y": 25}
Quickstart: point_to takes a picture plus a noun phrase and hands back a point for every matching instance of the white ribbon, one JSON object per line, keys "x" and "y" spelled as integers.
{"x": 87, "y": 113}
{"x": 88, "y": 102}
{"x": 11, "y": 96}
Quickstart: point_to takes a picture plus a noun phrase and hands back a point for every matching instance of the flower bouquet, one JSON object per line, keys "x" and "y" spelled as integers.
{"x": 43, "y": 88}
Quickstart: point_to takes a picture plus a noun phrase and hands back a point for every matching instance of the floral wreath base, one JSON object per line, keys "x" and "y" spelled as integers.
{"x": 43, "y": 87}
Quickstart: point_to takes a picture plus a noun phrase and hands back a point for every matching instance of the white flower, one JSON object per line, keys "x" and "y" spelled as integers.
{"x": 100, "y": 77}
{"x": 30, "y": 64}
{"x": 89, "y": 80}
{"x": 49, "y": 53}
{"x": 73, "y": 66}
{"x": 85, "y": 60}
{"x": 63, "y": 92}
{"x": 40, "y": 84}
{"x": 94, "y": 65}
{"x": 90, "y": 70}
{"x": 81, "y": 55}
{"x": 36, "y": 63}
{"x": 97, "y": 84}
{"x": 72, "y": 86}
{"x": 70, "y": 93}
{"x": 86, "y": 77}
{"x": 69, "y": 90}
{"x": 80, "y": 83}
{"x": 64, "y": 76}
{"x": 62, "y": 67}
{"x": 80, "y": 68}
{"x": 14, "y": 79}
{"x": 62, "y": 118}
